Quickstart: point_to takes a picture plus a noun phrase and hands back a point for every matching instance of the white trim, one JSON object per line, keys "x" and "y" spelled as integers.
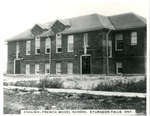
{"x": 28, "y": 42}
{"x": 81, "y": 62}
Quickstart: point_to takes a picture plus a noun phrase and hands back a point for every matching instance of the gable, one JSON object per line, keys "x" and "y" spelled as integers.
{"x": 37, "y": 30}
{"x": 58, "y": 27}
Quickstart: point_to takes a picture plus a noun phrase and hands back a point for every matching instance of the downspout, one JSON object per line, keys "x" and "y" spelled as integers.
{"x": 50, "y": 55}
{"x": 107, "y": 55}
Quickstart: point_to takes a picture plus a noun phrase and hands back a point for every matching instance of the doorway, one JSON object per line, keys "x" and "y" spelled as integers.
{"x": 17, "y": 66}
{"x": 86, "y": 64}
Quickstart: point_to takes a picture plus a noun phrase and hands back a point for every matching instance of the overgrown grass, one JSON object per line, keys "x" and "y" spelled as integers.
{"x": 50, "y": 83}
{"x": 139, "y": 86}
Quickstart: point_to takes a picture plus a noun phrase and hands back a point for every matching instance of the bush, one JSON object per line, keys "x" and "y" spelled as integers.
{"x": 139, "y": 86}
{"x": 26, "y": 83}
{"x": 50, "y": 83}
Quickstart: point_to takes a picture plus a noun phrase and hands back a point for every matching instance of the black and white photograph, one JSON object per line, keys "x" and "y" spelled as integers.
{"x": 74, "y": 57}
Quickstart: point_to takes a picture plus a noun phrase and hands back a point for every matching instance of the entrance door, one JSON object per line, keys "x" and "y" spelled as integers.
{"x": 86, "y": 64}
{"x": 17, "y": 67}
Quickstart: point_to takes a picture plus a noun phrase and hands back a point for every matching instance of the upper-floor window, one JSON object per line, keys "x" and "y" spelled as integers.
{"x": 28, "y": 47}
{"x": 47, "y": 68}
{"x": 118, "y": 42}
{"x": 17, "y": 49}
{"x": 47, "y": 45}
{"x": 58, "y": 43}
{"x": 70, "y": 43}
{"x": 134, "y": 38}
{"x": 110, "y": 48}
{"x": 37, "y": 45}
{"x": 85, "y": 37}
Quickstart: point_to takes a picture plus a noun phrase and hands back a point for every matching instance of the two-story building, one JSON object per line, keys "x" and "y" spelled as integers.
{"x": 91, "y": 44}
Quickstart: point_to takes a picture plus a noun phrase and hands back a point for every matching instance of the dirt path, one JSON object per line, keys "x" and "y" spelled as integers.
{"x": 103, "y": 93}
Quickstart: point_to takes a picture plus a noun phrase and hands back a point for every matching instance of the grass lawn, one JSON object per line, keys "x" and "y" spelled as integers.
{"x": 15, "y": 100}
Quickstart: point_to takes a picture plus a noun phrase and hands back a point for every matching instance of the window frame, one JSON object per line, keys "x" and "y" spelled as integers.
{"x": 70, "y": 40}
{"x": 28, "y": 69}
{"x": 37, "y": 39}
{"x": 86, "y": 40}
{"x": 68, "y": 71}
{"x": 58, "y": 63}
{"x": 117, "y": 67}
{"x": 17, "y": 49}
{"x": 110, "y": 48}
{"x": 47, "y": 46}
{"x": 47, "y": 65}
{"x": 116, "y": 41}
{"x": 38, "y": 68}
{"x": 28, "y": 47}
{"x": 134, "y": 38}
{"x": 57, "y": 45}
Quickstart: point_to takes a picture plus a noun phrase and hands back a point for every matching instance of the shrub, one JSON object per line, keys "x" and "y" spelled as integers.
{"x": 26, "y": 83}
{"x": 139, "y": 86}
{"x": 50, "y": 83}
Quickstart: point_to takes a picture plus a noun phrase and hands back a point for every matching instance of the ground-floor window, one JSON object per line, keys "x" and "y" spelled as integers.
{"x": 69, "y": 67}
{"x": 37, "y": 68}
{"x": 119, "y": 68}
{"x": 47, "y": 68}
{"x": 58, "y": 68}
{"x": 27, "y": 68}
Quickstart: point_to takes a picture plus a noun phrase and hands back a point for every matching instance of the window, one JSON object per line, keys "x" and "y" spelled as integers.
{"x": 69, "y": 67}
{"x": 37, "y": 68}
{"x": 17, "y": 49}
{"x": 110, "y": 48}
{"x": 58, "y": 43}
{"x": 85, "y": 39}
{"x": 47, "y": 45}
{"x": 119, "y": 42}
{"x": 28, "y": 47}
{"x": 58, "y": 68}
{"x": 134, "y": 38}
{"x": 37, "y": 45}
{"x": 27, "y": 68}
{"x": 70, "y": 43}
{"x": 119, "y": 68}
{"x": 47, "y": 68}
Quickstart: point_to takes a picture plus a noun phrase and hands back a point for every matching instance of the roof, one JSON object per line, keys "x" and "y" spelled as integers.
{"x": 22, "y": 36}
{"x": 128, "y": 20}
{"x": 89, "y": 23}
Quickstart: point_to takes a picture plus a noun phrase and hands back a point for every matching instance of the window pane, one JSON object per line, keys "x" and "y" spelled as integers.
{"x": 119, "y": 68}
{"x": 58, "y": 68}
{"x": 85, "y": 39}
{"x": 70, "y": 43}
{"x": 47, "y": 68}
{"x": 37, "y": 68}
{"x": 28, "y": 47}
{"x": 27, "y": 68}
{"x": 58, "y": 42}
{"x": 37, "y": 45}
{"x": 118, "y": 42}
{"x": 17, "y": 49}
{"x": 47, "y": 45}
{"x": 70, "y": 68}
{"x": 134, "y": 38}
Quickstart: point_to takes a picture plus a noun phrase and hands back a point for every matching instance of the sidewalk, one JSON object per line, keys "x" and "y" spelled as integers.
{"x": 103, "y": 93}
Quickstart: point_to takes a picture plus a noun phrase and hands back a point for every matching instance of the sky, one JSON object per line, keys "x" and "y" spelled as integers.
{"x": 19, "y": 15}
